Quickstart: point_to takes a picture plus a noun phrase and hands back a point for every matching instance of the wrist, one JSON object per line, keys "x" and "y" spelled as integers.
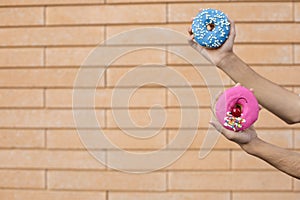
{"x": 226, "y": 59}
{"x": 252, "y": 146}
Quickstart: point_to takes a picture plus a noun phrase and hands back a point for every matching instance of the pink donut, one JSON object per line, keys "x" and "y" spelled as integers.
{"x": 237, "y": 108}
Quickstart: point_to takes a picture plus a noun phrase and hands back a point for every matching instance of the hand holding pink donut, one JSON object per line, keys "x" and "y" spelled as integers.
{"x": 237, "y": 108}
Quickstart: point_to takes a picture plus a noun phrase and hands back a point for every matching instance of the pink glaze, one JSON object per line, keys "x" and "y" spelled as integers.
{"x": 243, "y": 97}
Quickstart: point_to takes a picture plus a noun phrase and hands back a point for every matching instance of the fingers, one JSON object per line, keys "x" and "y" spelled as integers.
{"x": 214, "y": 101}
{"x": 190, "y": 31}
{"x": 259, "y": 106}
{"x": 232, "y": 29}
{"x": 195, "y": 45}
{"x": 230, "y": 135}
{"x": 192, "y": 43}
{"x": 217, "y": 126}
{"x": 238, "y": 84}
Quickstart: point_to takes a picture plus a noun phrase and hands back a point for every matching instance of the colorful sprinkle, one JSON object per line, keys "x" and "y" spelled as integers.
{"x": 235, "y": 123}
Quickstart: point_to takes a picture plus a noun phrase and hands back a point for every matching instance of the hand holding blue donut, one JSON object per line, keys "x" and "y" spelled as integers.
{"x": 211, "y": 28}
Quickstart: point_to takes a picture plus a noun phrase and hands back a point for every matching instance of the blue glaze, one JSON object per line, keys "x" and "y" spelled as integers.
{"x": 217, "y": 36}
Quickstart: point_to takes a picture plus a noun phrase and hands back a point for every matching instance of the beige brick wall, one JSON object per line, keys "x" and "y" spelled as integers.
{"x": 44, "y": 42}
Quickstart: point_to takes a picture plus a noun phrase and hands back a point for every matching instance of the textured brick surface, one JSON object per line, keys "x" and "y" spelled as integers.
{"x": 47, "y": 77}
{"x": 226, "y": 180}
{"x": 51, "y": 36}
{"x": 237, "y": 11}
{"x": 39, "y": 159}
{"x": 46, "y": 46}
{"x": 106, "y": 180}
{"x": 140, "y": 98}
{"x": 265, "y": 196}
{"x": 98, "y": 14}
{"x": 21, "y": 98}
{"x": 47, "y": 2}
{"x": 11, "y": 138}
{"x": 48, "y": 195}
{"x": 68, "y": 139}
{"x": 22, "y": 179}
{"x": 170, "y": 195}
{"x": 25, "y": 57}
{"x": 29, "y": 16}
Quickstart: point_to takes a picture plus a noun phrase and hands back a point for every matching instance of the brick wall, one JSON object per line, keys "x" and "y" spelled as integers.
{"x": 44, "y": 42}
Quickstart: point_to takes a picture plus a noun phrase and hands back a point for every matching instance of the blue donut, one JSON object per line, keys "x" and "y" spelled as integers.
{"x": 211, "y": 28}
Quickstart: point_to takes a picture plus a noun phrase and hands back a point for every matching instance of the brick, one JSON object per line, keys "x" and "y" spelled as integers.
{"x": 47, "y": 2}
{"x": 141, "y": 161}
{"x": 242, "y": 160}
{"x": 237, "y": 180}
{"x": 62, "y": 98}
{"x": 95, "y": 180}
{"x": 22, "y": 179}
{"x": 49, "y": 195}
{"x": 67, "y": 56}
{"x": 147, "y": 35}
{"x": 51, "y": 36}
{"x": 107, "y": 56}
{"x": 21, "y": 16}
{"x": 265, "y": 54}
{"x": 142, "y": 56}
{"x": 179, "y": 36}
{"x": 220, "y": 143}
{"x": 172, "y": 119}
{"x": 169, "y": 195}
{"x": 64, "y": 139}
{"x": 296, "y": 54}
{"x": 203, "y": 96}
{"x": 67, "y": 139}
{"x": 45, "y": 159}
{"x": 21, "y": 98}
{"x": 145, "y": 97}
{"x": 267, "y": 33}
{"x": 297, "y": 12}
{"x": 150, "y": 13}
{"x": 141, "y": 1}
{"x": 169, "y": 77}
{"x": 216, "y": 160}
{"x": 10, "y": 138}
{"x": 259, "y": 12}
{"x": 144, "y": 139}
{"x": 141, "y": 97}
{"x": 296, "y": 185}
{"x": 37, "y": 118}
{"x": 166, "y": 159}
{"x": 185, "y": 55}
{"x": 265, "y": 195}
{"x": 46, "y": 77}
{"x": 288, "y": 75}
{"x": 27, "y": 57}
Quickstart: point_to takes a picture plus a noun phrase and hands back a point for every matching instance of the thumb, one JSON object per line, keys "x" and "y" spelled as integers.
{"x": 228, "y": 134}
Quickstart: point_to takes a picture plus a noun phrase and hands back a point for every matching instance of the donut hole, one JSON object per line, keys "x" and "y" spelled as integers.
{"x": 210, "y": 27}
{"x": 239, "y": 106}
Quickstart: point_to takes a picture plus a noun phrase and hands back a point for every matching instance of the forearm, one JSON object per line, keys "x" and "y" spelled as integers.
{"x": 278, "y": 100}
{"x": 282, "y": 159}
